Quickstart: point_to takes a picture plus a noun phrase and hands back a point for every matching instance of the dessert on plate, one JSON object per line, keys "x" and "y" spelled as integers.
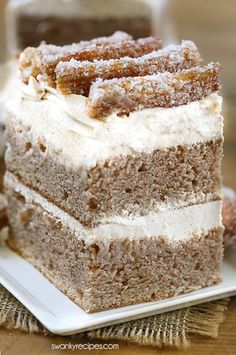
{"x": 114, "y": 169}
{"x": 66, "y": 21}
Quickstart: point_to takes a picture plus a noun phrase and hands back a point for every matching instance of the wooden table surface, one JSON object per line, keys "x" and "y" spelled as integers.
{"x": 16, "y": 343}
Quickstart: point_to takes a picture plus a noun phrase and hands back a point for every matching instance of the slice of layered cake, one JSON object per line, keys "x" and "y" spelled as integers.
{"x": 114, "y": 169}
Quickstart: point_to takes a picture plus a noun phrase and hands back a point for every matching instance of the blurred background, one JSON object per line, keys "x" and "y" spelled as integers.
{"x": 210, "y": 24}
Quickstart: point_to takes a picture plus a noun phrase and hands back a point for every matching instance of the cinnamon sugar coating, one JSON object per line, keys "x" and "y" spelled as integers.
{"x": 34, "y": 61}
{"x": 161, "y": 90}
{"x": 119, "y": 74}
{"x": 76, "y": 77}
{"x": 45, "y": 63}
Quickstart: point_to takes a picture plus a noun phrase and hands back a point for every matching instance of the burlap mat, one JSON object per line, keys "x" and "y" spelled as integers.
{"x": 169, "y": 329}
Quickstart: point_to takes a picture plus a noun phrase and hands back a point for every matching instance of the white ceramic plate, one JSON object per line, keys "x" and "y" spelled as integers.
{"x": 61, "y": 316}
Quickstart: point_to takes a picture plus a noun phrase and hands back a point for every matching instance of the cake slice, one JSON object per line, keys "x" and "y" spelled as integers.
{"x": 61, "y": 22}
{"x": 126, "y": 172}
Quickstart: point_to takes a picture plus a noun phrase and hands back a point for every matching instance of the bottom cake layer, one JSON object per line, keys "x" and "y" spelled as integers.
{"x": 110, "y": 272}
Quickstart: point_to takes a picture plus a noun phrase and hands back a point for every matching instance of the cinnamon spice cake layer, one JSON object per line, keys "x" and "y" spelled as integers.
{"x": 151, "y": 160}
{"x": 124, "y": 262}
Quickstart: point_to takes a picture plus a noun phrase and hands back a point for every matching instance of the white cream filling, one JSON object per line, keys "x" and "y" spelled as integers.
{"x": 176, "y": 224}
{"x": 63, "y": 123}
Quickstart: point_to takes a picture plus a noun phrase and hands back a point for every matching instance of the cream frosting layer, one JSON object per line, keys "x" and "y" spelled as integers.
{"x": 176, "y": 224}
{"x": 63, "y": 123}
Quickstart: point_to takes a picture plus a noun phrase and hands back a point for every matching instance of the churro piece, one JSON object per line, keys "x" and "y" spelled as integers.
{"x": 229, "y": 216}
{"x": 132, "y": 49}
{"x": 44, "y": 58}
{"x": 46, "y": 64}
{"x": 161, "y": 90}
{"x": 75, "y": 77}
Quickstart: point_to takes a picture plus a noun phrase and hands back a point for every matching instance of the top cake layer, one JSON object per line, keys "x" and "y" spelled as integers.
{"x": 62, "y": 124}
{"x": 115, "y": 135}
{"x": 144, "y": 97}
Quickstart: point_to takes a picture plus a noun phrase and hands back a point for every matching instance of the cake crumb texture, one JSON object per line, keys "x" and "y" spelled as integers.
{"x": 116, "y": 273}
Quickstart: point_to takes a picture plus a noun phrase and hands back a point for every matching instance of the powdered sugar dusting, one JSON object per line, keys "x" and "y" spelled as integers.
{"x": 76, "y": 76}
{"x": 51, "y": 52}
{"x": 121, "y": 74}
{"x": 161, "y": 90}
{"x": 33, "y": 61}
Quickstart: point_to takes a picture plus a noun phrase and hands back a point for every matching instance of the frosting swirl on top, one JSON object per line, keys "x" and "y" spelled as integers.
{"x": 34, "y": 90}
{"x": 73, "y": 105}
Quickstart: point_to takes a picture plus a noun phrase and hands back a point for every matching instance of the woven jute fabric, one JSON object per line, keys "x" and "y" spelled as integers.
{"x": 168, "y": 329}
